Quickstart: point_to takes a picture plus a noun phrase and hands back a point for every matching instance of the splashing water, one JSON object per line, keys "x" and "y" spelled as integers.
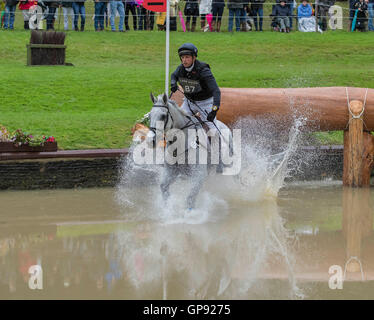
{"x": 227, "y": 257}
{"x": 265, "y": 156}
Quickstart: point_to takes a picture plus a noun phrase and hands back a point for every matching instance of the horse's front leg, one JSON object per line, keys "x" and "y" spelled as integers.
{"x": 170, "y": 175}
{"x": 197, "y": 183}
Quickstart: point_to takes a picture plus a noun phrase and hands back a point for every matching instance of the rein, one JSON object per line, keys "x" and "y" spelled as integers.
{"x": 189, "y": 124}
{"x": 198, "y": 118}
{"x": 202, "y": 123}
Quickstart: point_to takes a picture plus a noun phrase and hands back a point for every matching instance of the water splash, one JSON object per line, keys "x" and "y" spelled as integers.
{"x": 267, "y": 147}
{"x": 222, "y": 248}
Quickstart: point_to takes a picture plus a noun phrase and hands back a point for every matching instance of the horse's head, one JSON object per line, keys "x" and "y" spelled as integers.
{"x": 160, "y": 119}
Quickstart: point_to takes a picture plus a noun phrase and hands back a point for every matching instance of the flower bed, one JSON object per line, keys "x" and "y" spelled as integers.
{"x": 11, "y": 147}
{"x": 20, "y": 141}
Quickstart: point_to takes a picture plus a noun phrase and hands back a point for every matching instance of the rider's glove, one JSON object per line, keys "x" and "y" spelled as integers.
{"x": 212, "y": 114}
{"x": 174, "y": 87}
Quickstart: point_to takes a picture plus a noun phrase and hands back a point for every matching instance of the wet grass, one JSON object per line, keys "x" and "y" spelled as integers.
{"x": 95, "y": 103}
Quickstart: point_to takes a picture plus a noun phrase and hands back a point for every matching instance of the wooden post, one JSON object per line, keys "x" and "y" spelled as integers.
{"x": 358, "y": 150}
{"x": 368, "y": 158}
{"x": 45, "y": 54}
{"x": 46, "y": 48}
{"x": 354, "y": 147}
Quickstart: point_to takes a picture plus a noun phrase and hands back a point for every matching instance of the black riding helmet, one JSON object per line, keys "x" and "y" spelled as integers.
{"x": 187, "y": 49}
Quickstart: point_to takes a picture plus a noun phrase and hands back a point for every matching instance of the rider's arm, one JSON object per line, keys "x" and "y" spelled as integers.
{"x": 209, "y": 79}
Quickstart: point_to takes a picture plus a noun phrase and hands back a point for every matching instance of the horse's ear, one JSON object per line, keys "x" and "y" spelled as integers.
{"x": 152, "y": 97}
{"x": 165, "y": 98}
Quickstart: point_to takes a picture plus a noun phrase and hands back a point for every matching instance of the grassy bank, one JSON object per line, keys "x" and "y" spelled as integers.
{"x": 95, "y": 103}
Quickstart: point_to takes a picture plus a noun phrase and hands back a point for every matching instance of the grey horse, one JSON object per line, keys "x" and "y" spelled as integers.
{"x": 175, "y": 122}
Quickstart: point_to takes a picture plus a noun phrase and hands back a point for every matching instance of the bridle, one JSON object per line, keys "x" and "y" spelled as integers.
{"x": 153, "y": 129}
{"x": 190, "y": 122}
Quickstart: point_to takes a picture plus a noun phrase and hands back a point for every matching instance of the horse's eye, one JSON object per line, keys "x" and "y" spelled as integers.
{"x": 163, "y": 117}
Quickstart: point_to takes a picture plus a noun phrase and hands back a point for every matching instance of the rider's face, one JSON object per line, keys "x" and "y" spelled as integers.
{"x": 187, "y": 60}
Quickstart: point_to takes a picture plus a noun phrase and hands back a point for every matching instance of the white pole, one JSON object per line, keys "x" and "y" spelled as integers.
{"x": 167, "y": 47}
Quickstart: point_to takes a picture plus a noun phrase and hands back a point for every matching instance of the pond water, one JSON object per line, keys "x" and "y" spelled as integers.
{"x": 90, "y": 244}
{"x": 250, "y": 235}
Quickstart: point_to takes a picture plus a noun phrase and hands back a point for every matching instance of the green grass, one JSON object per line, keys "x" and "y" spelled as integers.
{"x": 95, "y": 103}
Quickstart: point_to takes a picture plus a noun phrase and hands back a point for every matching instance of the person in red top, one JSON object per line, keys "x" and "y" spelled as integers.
{"x": 25, "y": 6}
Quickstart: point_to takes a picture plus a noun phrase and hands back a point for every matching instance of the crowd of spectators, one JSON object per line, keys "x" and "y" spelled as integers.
{"x": 247, "y": 15}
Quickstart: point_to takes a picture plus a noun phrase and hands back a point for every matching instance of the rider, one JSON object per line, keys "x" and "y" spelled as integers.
{"x": 201, "y": 91}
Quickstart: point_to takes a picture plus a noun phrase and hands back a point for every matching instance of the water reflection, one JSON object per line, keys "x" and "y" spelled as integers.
{"x": 220, "y": 260}
{"x": 270, "y": 249}
{"x": 357, "y": 225}
{"x": 334, "y": 228}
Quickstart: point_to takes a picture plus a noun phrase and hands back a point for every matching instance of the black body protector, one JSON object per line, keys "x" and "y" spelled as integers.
{"x": 198, "y": 82}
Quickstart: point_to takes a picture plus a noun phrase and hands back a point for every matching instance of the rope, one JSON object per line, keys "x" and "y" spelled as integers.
{"x": 357, "y": 259}
{"x": 350, "y": 111}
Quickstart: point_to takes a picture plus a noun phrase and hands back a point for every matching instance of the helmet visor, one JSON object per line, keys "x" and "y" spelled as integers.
{"x": 186, "y": 52}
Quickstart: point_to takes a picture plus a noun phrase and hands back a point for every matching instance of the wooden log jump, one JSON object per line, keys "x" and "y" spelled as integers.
{"x": 325, "y": 109}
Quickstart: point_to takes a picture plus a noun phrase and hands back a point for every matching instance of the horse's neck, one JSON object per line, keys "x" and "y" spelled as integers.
{"x": 179, "y": 119}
